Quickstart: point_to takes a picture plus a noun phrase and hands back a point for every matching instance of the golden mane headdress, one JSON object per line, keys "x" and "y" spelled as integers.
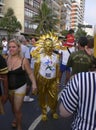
{"x": 40, "y": 43}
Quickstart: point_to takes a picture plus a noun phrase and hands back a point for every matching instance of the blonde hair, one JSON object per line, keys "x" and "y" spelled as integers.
{"x": 18, "y": 43}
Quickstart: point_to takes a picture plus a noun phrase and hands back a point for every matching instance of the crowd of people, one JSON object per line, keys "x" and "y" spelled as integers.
{"x": 36, "y": 66}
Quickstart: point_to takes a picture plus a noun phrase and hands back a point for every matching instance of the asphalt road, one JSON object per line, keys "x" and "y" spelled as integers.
{"x": 32, "y": 118}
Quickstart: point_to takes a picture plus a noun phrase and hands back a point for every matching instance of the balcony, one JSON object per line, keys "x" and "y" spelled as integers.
{"x": 63, "y": 16}
{"x": 1, "y": 2}
{"x": 63, "y": 9}
{"x": 1, "y": 12}
{"x": 1, "y": 15}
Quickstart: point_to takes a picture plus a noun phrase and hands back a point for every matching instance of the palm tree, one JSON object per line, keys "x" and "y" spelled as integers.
{"x": 46, "y": 20}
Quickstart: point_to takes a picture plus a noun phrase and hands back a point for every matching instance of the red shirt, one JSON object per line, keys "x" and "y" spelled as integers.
{"x": 69, "y": 40}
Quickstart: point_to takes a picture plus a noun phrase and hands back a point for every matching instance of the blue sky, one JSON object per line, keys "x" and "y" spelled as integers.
{"x": 90, "y": 12}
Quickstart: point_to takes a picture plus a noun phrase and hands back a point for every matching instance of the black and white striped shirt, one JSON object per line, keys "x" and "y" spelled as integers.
{"x": 79, "y": 96}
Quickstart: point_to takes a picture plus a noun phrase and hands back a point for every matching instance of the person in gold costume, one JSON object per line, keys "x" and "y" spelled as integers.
{"x": 46, "y": 71}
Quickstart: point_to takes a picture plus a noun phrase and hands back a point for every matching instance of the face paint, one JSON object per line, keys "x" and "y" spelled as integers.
{"x": 48, "y": 46}
{"x": 47, "y": 43}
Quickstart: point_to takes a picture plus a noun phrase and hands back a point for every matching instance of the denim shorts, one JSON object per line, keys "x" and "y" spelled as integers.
{"x": 64, "y": 68}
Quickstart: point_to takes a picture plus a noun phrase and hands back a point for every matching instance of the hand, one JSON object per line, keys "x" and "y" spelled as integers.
{"x": 34, "y": 89}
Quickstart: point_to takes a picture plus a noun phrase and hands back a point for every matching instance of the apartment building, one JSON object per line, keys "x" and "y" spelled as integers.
{"x": 69, "y": 12}
{"x": 77, "y": 13}
{"x": 24, "y": 10}
{"x": 59, "y": 8}
{"x": 82, "y": 10}
{"x": 55, "y": 6}
{"x": 1, "y": 8}
{"x": 68, "y": 5}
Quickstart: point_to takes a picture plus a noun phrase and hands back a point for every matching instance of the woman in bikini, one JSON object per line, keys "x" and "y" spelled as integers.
{"x": 18, "y": 66}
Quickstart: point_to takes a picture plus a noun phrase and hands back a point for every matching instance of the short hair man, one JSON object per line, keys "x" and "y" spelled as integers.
{"x": 80, "y": 60}
{"x": 79, "y": 97}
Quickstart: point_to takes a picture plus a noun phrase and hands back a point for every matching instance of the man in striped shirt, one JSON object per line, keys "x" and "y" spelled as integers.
{"x": 79, "y": 97}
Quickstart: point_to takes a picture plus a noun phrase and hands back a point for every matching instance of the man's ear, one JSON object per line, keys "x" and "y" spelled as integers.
{"x": 88, "y": 50}
{"x": 86, "y": 47}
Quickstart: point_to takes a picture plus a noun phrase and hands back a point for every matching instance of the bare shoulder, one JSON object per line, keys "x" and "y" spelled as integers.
{"x": 25, "y": 62}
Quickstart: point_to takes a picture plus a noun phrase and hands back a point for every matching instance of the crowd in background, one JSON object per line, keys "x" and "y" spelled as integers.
{"x": 72, "y": 60}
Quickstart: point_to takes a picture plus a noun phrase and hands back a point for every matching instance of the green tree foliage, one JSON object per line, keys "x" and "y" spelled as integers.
{"x": 80, "y": 32}
{"x": 89, "y": 37}
{"x": 46, "y": 20}
{"x": 10, "y": 23}
{"x": 64, "y": 32}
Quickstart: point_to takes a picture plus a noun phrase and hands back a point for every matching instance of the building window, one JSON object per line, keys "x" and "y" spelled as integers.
{"x": 29, "y": 13}
{"x": 30, "y": 25}
{"x": 31, "y": 2}
{"x": 26, "y": 24}
{"x": 36, "y": 4}
{"x": 1, "y": 1}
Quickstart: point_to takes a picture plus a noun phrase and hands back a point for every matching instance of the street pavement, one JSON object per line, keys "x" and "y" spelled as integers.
{"x": 31, "y": 119}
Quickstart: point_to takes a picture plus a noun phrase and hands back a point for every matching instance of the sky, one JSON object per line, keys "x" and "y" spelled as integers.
{"x": 90, "y": 12}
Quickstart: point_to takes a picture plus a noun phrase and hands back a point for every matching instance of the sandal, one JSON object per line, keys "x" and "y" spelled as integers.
{"x": 55, "y": 116}
{"x": 44, "y": 117}
{"x": 14, "y": 124}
